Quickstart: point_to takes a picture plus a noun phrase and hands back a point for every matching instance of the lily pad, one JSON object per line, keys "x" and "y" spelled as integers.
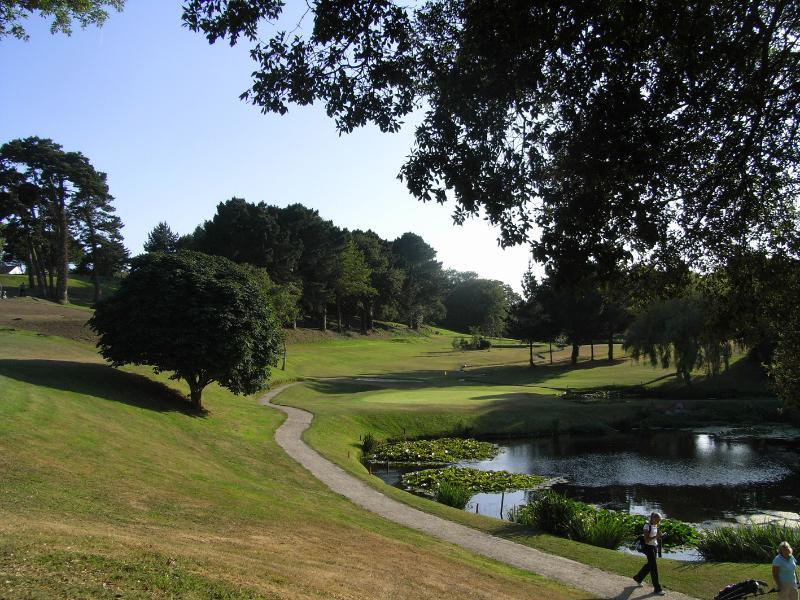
{"x": 428, "y": 480}
{"x": 439, "y": 451}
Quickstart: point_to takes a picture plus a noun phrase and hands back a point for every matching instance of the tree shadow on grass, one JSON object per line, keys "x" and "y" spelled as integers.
{"x": 101, "y": 381}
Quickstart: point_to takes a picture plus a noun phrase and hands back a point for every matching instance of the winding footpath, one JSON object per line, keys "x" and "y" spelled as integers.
{"x": 572, "y": 573}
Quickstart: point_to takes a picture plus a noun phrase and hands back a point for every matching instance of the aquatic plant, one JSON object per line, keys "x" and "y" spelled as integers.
{"x": 429, "y": 480}
{"x": 606, "y": 530}
{"x": 746, "y": 543}
{"x": 555, "y": 513}
{"x": 453, "y": 494}
{"x": 442, "y": 450}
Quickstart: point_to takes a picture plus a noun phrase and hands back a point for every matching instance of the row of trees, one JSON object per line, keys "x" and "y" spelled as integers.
{"x": 56, "y": 211}
{"x": 359, "y": 275}
{"x": 675, "y": 316}
{"x": 323, "y": 266}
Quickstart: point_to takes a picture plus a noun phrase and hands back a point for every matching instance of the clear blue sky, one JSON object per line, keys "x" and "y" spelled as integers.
{"x": 156, "y": 107}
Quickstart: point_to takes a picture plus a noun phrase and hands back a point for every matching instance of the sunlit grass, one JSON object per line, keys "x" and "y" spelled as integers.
{"x": 103, "y": 468}
{"x": 111, "y": 486}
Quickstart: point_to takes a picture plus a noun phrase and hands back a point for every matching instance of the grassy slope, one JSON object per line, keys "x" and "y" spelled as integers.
{"x": 80, "y": 287}
{"x": 109, "y": 489}
{"x": 520, "y": 400}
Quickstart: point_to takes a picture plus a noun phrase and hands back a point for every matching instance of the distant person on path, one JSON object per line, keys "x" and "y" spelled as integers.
{"x": 22, "y": 290}
{"x": 650, "y": 548}
{"x": 783, "y": 572}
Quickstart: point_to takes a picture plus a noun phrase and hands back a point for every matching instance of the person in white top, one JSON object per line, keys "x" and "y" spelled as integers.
{"x": 651, "y": 538}
{"x": 783, "y": 572}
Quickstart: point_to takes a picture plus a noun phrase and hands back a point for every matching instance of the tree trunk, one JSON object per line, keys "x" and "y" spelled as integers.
{"x": 93, "y": 242}
{"x": 550, "y": 344}
{"x": 29, "y": 272}
{"x": 324, "y": 317}
{"x": 530, "y": 347}
{"x": 591, "y": 347}
{"x": 195, "y": 393}
{"x": 370, "y": 324}
{"x": 41, "y": 277}
{"x": 575, "y": 350}
{"x": 339, "y": 313}
{"x": 364, "y": 320}
{"x": 63, "y": 247}
{"x": 611, "y": 345}
{"x": 283, "y": 367}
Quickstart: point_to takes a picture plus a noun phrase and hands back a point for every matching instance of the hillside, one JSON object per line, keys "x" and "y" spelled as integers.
{"x": 111, "y": 489}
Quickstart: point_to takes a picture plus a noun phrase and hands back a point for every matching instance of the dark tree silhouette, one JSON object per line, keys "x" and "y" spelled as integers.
{"x": 161, "y": 239}
{"x": 614, "y": 128}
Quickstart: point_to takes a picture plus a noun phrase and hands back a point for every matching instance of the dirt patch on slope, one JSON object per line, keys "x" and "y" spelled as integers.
{"x": 49, "y": 318}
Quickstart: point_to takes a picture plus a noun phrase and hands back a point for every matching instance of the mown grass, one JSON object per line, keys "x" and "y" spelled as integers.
{"x": 105, "y": 469}
{"x": 111, "y": 487}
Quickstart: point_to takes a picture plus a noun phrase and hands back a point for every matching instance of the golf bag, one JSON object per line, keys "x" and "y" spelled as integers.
{"x": 743, "y": 589}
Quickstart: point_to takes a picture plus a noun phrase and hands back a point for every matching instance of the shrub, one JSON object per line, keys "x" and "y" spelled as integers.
{"x": 676, "y": 533}
{"x": 368, "y": 444}
{"x": 555, "y": 513}
{"x": 748, "y": 543}
{"x": 453, "y": 494}
{"x": 551, "y": 512}
{"x": 477, "y": 342}
{"x": 606, "y": 530}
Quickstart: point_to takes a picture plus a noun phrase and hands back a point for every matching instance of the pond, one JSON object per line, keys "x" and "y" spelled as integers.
{"x": 692, "y": 476}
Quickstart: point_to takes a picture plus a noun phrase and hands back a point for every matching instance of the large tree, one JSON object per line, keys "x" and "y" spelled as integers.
{"x": 251, "y": 233}
{"x": 352, "y": 280}
{"x": 670, "y": 332}
{"x": 63, "y": 13}
{"x": 475, "y": 304}
{"x": 201, "y": 317}
{"x": 386, "y": 278}
{"x": 613, "y": 127}
{"x": 48, "y": 195}
{"x": 424, "y": 282}
{"x": 99, "y": 232}
{"x": 319, "y": 242}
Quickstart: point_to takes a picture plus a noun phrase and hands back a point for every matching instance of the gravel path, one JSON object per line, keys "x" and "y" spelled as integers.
{"x": 569, "y": 572}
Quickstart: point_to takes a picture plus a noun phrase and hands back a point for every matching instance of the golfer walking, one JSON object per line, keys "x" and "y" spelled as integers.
{"x": 651, "y": 536}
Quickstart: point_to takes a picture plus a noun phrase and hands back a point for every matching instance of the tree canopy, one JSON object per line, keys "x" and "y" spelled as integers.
{"x": 613, "y": 128}
{"x": 201, "y": 317}
{"x": 477, "y": 305}
{"x": 63, "y": 13}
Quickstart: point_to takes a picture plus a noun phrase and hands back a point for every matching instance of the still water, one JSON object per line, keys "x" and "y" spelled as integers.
{"x": 690, "y": 476}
